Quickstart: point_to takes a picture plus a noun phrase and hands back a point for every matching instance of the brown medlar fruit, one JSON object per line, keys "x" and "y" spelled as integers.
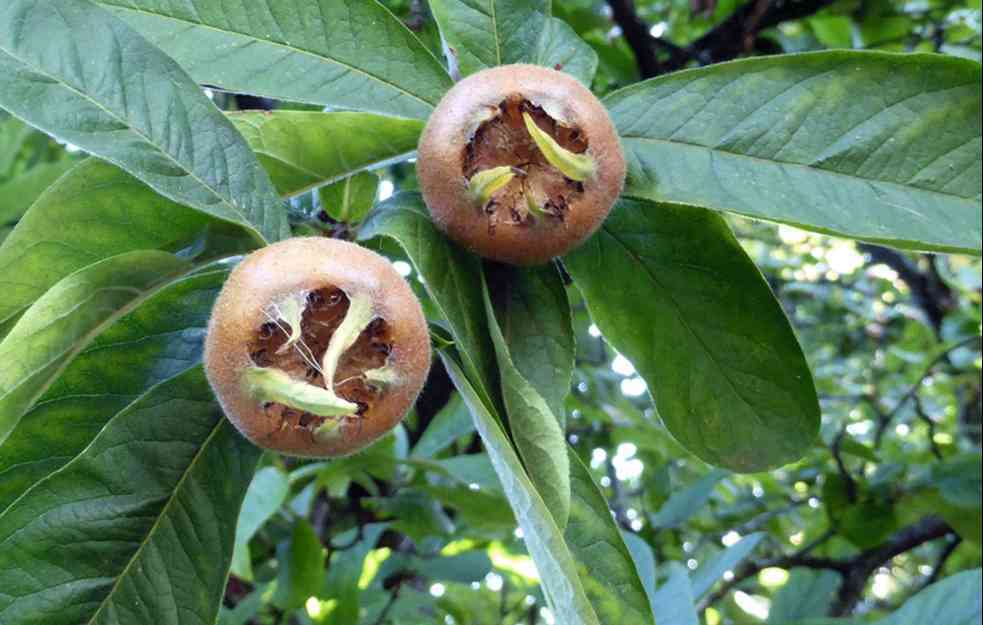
{"x": 520, "y": 163}
{"x": 316, "y": 347}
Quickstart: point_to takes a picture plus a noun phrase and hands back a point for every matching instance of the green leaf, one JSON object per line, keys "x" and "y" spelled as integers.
{"x": 869, "y": 145}
{"x": 685, "y": 503}
{"x": 345, "y": 569}
{"x": 544, "y": 540}
{"x": 17, "y": 195}
{"x": 451, "y": 423}
{"x": 644, "y": 560}
{"x": 266, "y": 493}
{"x": 67, "y": 317}
{"x": 350, "y": 54}
{"x": 808, "y": 593}
{"x": 604, "y": 562}
{"x": 93, "y": 212}
{"x": 955, "y": 600}
{"x": 710, "y": 340}
{"x": 302, "y": 149}
{"x": 301, "y": 567}
{"x": 488, "y": 33}
{"x": 534, "y": 314}
{"x": 158, "y": 340}
{"x": 713, "y": 568}
{"x": 349, "y": 200}
{"x": 452, "y": 278}
{"x": 159, "y": 126}
{"x": 673, "y": 601}
{"x": 535, "y": 429}
{"x": 13, "y": 134}
{"x": 144, "y": 519}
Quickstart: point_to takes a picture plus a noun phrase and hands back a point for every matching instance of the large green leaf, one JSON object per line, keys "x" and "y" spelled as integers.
{"x": 452, "y": 278}
{"x": 544, "y": 540}
{"x": 534, "y": 314}
{"x": 94, "y": 212}
{"x": 683, "y": 504}
{"x": 955, "y": 600}
{"x": 877, "y": 146}
{"x": 158, "y": 340}
{"x": 302, "y": 149}
{"x": 17, "y": 194}
{"x": 351, "y": 54}
{"x": 673, "y": 602}
{"x": 535, "y": 428}
{"x": 84, "y": 76}
{"x": 487, "y": 33}
{"x": 137, "y": 529}
{"x": 808, "y": 593}
{"x": 709, "y": 338}
{"x": 63, "y": 321}
{"x": 606, "y": 567}
{"x": 266, "y": 493}
{"x": 301, "y": 567}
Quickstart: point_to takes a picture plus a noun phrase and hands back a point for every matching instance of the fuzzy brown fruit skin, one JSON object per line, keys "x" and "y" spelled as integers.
{"x": 451, "y": 128}
{"x": 305, "y": 265}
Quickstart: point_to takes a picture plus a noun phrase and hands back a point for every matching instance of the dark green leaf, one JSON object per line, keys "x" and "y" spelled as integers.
{"x": 66, "y": 318}
{"x": 535, "y": 429}
{"x": 17, "y": 195}
{"x": 877, "y": 146}
{"x": 534, "y": 314}
{"x": 351, "y": 54}
{"x": 604, "y": 562}
{"x": 452, "y": 278}
{"x": 160, "y": 127}
{"x": 158, "y": 340}
{"x": 301, "y": 567}
{"x": 349, "y": 200}
{"x": 556, "y": 566}
{"x": 345, "y": 569}
{"x": 487, "y": 33}
{"x": 709, "y": 338}
{"x": 94, "y": 212}
{"x": 302, "y": 149}
{"x": 452, "y": 422}
{"x": 143, "y": 520}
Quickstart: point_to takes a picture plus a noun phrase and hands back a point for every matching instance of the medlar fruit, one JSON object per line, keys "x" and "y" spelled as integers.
{"x": 520, "y": 163}
{"x": 316, "y": 347}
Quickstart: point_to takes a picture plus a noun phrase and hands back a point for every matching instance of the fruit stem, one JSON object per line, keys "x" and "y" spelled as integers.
{"x": 272, "y": 385}
{"x": 485, "y": 183}
{"x": 574, "y": 166}
{"x": 358, "y": 317}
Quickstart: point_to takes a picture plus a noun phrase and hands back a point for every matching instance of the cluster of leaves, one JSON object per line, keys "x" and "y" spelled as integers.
{"x": 534, "y": 482}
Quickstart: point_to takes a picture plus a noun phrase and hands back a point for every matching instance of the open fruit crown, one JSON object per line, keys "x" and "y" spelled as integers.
{"x": 520, "y": 163}
{"x": 316, "y": 347}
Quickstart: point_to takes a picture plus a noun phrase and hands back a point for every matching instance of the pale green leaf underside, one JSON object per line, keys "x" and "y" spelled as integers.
{"x": 714, "y": 346}
{"x": 488, "y": 33}
{"x": 140, "y": 527}
{"x": 78, "y": 73}
{"x": 544, "y": 540}
{"x": 955, "y": 600}
{"x": 303, "y": 150}
{"x": 349, "y": 54}
{"x": 875, "y": 146}
{"x": 158, "y": 340}
{"x": 66, "y": 318}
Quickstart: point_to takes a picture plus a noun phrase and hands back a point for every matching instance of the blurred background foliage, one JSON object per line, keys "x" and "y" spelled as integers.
{"x": 417, "y": 530}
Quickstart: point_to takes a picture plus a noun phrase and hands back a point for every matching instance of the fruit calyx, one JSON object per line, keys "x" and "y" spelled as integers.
{"x": 321, "y": 358}
{"x": 524, "y": 166}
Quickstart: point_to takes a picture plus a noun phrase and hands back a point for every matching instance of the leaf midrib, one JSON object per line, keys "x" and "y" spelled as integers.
{"x": 811, "y": 168}
{"x": 244, "y": 221}
{"x": 276, "y": 44}
{"x": 163, "y": 513}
